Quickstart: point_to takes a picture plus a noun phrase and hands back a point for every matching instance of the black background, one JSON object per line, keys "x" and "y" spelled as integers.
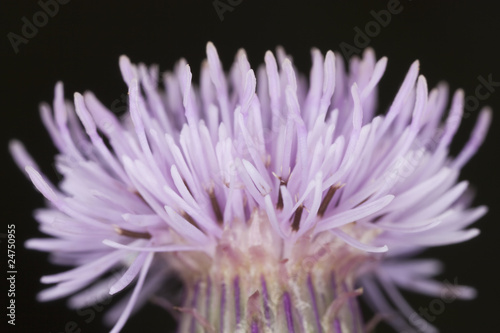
{"x": 456, "y": 41}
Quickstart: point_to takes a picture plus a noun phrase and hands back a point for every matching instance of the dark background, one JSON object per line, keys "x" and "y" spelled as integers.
{"x": 456, "y": 41}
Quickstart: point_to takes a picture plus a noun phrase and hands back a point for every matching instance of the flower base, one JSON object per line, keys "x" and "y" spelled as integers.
{"x": 257, "y": 285}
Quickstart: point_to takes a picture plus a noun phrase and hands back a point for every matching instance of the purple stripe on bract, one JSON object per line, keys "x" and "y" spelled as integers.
{"x": 193, "y": 305}
{"x": 314, "y": 304}
{"x": 255, "y": 327}
{"x": 265, "y": 300}
{"x": 352, "y": 309}
{"x": 236, "y": 285}
{"x": 207, "y": 302}
{"x": 288, "y": 312}
{"x": 336, "y": 324}
{"x": 222, "y": 307}
{"x": 334, "y": 285}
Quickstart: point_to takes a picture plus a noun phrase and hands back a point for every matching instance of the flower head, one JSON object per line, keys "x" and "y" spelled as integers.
{"x": 272, "y": 196}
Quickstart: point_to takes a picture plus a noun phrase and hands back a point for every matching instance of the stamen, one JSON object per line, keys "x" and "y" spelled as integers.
{"x": 362, "y": 202}
{"x": 279, "y": 204}
{"x": 326, "y": 200}
{"x": 268, "y": 161}
{"x": 133, "y": 234}
{"x": 215, "y": 206}
{"x": 296, "y": 218}
{"x": 189, "y": 218}
{"x": 140, "y": 196}
{"x": 376, "y": 219}
{"x": 187, "y": 186}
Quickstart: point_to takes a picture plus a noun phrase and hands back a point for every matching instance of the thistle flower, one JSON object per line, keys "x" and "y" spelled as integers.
{"x": 278, "y": 200}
